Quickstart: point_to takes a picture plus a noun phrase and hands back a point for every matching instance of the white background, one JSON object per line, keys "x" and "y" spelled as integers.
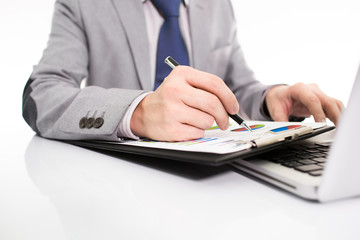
{"x": 312, "y": 41}
{"x": 284, "y": 41}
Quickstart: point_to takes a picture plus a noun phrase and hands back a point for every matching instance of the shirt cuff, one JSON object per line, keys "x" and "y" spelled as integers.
{"x": 124, "y": 129}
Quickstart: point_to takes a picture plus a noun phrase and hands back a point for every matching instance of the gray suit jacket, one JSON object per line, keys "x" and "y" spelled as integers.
{"x": 105, "y": 42}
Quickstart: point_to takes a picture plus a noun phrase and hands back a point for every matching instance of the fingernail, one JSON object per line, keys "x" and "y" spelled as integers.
{"x": 323, "y": 121}
{"x": 236, "y": 108}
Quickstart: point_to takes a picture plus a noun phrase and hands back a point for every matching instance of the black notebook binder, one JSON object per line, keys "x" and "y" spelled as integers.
{"x": 207, "y": 158}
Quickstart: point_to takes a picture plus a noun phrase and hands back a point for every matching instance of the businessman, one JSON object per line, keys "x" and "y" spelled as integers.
{"x": 102, "y": 74}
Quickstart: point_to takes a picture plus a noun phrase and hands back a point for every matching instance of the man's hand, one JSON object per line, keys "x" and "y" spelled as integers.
{"x": 183, "y": 106}
{"x": 302, "y": 100}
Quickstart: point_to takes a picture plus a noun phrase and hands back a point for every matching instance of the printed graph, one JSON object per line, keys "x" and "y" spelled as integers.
{"x": 281, "y": 129}
{"x": 196, "y": 141}
{"x": 185, "y": 143}
{"x": 253, "y": 127}
{"x": 214, "y": 128}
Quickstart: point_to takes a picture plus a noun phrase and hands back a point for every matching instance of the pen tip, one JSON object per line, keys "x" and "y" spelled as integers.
{"x": 247, "y": 127}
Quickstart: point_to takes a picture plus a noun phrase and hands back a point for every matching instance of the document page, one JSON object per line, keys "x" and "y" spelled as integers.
{"x": 235, "y": 138}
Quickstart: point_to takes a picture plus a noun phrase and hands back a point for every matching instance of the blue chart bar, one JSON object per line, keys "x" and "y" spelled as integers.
{"x": 280, "y": 129}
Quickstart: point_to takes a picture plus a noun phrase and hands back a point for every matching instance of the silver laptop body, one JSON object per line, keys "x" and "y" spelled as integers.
{"x": 340, "y": 177}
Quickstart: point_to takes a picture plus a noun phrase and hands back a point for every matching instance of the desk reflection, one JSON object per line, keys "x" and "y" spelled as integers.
{"x": 90, "y": 195}
{"x": 99, "y": 195}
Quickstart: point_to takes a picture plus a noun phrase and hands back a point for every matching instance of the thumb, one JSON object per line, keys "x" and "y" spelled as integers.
{"x": 278, "y": 103}
{"x": 277, "y": 111}
{"x": 279, "y": 115}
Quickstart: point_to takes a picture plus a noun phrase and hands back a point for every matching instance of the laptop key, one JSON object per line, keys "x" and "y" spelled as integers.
{"x": 304, "y": 156}
{"x": 325, "y": 144}
{"x": 319, "y": 160}
{"x": 309, "y": 168}
{"x": 319, "y": 155}
{"x": 306, "y": 161}
{"x": 291, "y": 158}
{"x": 276, "y": 160}
{"x": 316, "y": 173}
{"x": 312, "y": 150}
{"x": 291, "y": 164}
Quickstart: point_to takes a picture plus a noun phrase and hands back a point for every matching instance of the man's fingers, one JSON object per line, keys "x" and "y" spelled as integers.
{"x": 207, "y": 103}
{"x": 302, "y": 100}
{"x": 179, "y": 110}
{"x": 209, "y": 83}
{"x": 278, "y": 103}
{"x": 310, "y": 100}
{"x": 340, "y": 105}
{"x": 278, "y": 111}
{"x": 331, "y": 106}
{"x": 279, "y": 114}
{"x": 332, "y": 110}
{"x": 182, "y": 132}
{"x": 196, "y": 118}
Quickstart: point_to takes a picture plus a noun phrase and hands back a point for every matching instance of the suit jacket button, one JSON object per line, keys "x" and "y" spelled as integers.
{"x": 82, "y": 123}
{"x": 98, "y": 122}
{"x": 90, "y": 122}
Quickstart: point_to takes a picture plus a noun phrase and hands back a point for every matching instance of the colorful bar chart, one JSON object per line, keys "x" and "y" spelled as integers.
{"x": 281, "y": 129}
{"x": 195, "y": 141}
{"x": 185, "y": 143}
{"x": 253, "y": 127}
{"x": 215, "y": 127}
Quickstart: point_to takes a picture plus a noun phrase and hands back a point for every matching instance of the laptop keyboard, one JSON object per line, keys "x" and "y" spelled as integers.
{"x": 309, "y": 159}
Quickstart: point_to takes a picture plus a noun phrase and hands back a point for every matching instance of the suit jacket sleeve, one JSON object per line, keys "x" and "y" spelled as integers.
{"x": 53, "y": 102}
{"x": 237, "y": 75}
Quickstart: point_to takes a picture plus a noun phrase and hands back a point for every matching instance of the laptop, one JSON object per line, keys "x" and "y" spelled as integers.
{"x": 319, "y": 168}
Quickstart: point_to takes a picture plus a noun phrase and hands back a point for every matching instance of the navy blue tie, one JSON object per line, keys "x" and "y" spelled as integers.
{"x": 170, "y": 41}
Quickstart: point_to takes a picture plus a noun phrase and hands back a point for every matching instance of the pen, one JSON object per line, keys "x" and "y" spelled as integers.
{"x": 172, "y": 63}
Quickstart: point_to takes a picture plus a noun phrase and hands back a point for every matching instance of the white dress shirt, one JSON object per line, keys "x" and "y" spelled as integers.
{"x": 154, "y": 22}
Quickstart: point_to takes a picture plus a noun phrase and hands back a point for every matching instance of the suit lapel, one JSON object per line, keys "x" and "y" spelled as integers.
{"x": 133, "y": 20}
{"x": 199, "y": 19}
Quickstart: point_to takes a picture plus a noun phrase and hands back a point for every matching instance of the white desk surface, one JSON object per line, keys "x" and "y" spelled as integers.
{"x": 53, "y": 190}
